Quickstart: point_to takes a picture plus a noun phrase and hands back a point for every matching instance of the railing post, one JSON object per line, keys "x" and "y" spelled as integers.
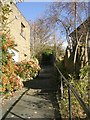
{"x": 89, "y": 54}
{"x": 70, "y": 104}
{"x": 71, "y": 89}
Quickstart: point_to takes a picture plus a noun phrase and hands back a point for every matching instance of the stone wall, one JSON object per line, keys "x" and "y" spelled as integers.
{"x": 20, "y": 31}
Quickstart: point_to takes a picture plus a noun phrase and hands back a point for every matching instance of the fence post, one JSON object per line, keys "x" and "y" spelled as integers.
{"x": 70, "y": 104}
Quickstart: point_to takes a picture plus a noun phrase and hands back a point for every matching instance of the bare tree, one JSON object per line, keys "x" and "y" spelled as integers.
{"x": 40, "y": 36}
{"x": 67, "y": 17}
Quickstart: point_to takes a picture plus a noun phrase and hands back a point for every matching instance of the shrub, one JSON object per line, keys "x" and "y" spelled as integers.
{"x": 10, "y": 82}
{"x": 81, "y": 86}
{"x": 27, "y": 69}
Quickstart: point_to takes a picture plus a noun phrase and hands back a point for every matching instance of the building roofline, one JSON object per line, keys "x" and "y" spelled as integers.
{"x": 85, "y": 21}
{"x": 20, "y": 13}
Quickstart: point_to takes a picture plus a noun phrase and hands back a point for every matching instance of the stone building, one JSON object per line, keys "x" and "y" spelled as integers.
{"x": 20, "y": 31}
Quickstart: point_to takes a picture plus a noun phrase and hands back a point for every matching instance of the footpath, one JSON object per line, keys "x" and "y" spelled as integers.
{"x": 37, "y": 100}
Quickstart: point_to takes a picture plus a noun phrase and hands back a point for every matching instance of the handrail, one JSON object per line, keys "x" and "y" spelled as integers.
{"x": 81, "y": 102}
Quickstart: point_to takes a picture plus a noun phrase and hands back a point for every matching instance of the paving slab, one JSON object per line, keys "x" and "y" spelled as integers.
{"x": 37, "y": 101}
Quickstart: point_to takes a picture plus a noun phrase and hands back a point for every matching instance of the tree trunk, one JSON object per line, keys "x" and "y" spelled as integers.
{"x": 77, "y": 49}
{"x": 86, "y": 49}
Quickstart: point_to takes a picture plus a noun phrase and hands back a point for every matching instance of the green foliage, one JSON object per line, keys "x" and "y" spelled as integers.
{"x": 46, "y": 49}
{"x": 5, "y": 12}
{"x": 84, "y": 72}
{"x": 10, "y": 81}
{"x": 81, "y": 86}
{"x": 47, "y": 53}
{"x": 61, "y": 66}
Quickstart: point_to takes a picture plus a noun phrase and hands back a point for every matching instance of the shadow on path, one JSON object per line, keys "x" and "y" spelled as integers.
{"x": 9, "y": 110}
{"x": 46, "y": 88}
{"x": 39, "y": 101}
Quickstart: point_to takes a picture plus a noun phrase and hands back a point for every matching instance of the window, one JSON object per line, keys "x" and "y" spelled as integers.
{"x": 15, "y": 54}
{"x": 22, "y": 30}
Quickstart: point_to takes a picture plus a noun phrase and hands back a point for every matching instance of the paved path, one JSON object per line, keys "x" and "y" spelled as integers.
{"x": 39, "y": 100}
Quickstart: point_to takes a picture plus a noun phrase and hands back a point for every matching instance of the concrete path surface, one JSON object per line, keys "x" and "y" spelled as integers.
{"x": 37, "y": 101}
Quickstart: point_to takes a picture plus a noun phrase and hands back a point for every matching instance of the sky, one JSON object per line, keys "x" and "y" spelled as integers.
{"x": 32, "y": 10}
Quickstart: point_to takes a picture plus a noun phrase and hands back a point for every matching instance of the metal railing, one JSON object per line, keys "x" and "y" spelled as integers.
{"x": 70, "y": 91}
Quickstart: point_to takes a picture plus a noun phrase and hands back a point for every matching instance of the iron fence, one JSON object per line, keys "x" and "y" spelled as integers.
{"x": 70, "y": 91}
